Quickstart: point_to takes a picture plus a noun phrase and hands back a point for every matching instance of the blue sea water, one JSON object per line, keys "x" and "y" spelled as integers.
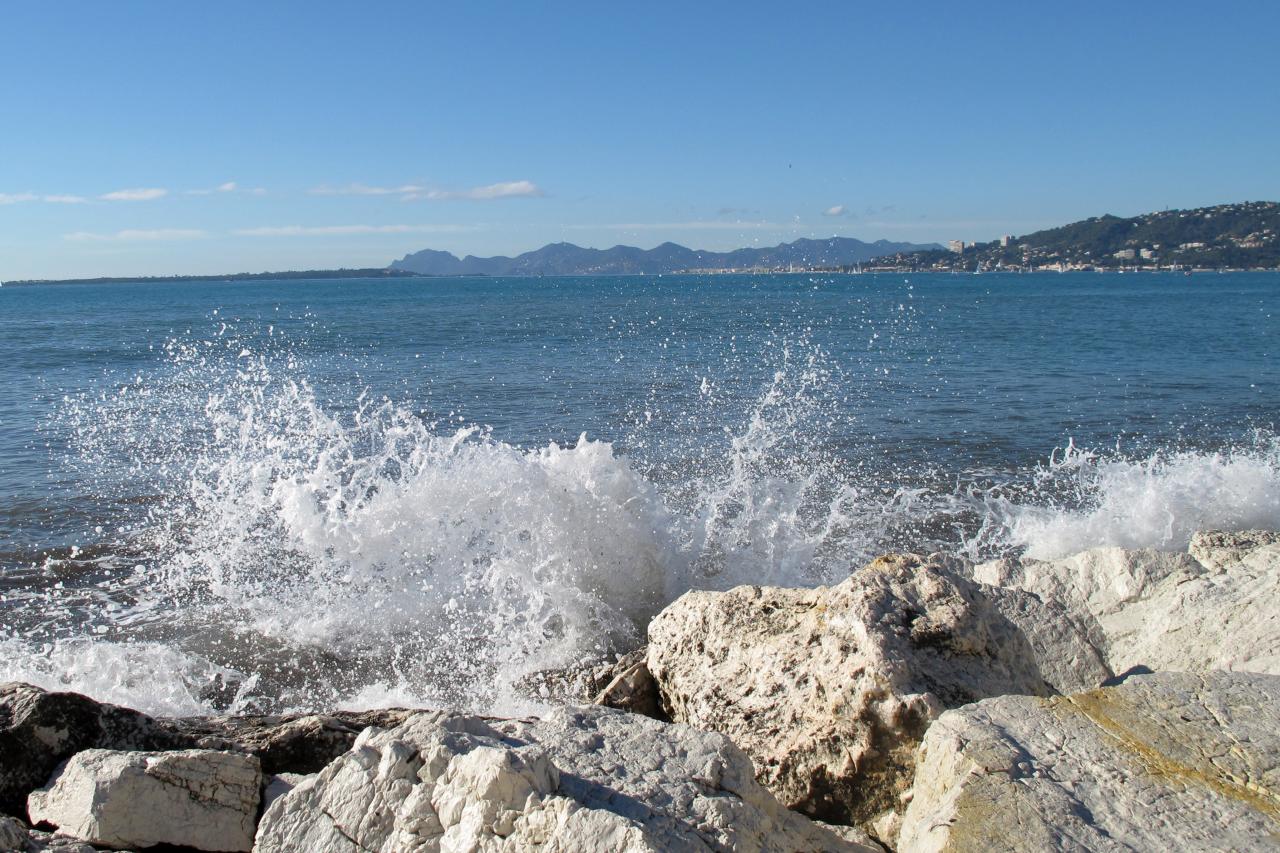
{"x": 263, "y": 495}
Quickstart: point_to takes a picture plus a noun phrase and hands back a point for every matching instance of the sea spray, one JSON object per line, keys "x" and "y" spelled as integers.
{"x": 1082, "y": 499}
{"x": 299, "y": 552}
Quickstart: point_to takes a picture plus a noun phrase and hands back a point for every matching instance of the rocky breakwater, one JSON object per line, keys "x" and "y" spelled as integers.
{"x": 831, "y": 690}
{"x": 591, "y": 778}
{"x": 934, "y": 704}
{"x": 834, "y": 692}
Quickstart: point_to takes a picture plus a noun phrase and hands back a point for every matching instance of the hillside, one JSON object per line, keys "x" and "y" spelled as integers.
{"x": 568, "y": 259}
{"x": 1239, "y": 236}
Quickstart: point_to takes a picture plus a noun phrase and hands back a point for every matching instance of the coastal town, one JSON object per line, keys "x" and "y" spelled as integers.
{"x": 1226, "y": 237}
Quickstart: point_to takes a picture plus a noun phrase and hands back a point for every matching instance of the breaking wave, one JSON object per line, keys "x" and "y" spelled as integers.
{"x": 302, "y": 554}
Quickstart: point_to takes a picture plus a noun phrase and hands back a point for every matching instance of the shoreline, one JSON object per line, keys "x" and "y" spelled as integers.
{"x": 1041, "y": 646}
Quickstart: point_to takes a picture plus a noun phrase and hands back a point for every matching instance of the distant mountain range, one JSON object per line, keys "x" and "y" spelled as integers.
{"x": 568, "y": 259}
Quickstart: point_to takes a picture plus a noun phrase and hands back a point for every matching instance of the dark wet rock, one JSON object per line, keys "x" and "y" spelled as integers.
{"x": 17, "y": 837}
{"x": 624, "y": 683}
{"x": 632, "y": 688}
{"x": 40, "y": 729}
{"x": 285, "y": 744}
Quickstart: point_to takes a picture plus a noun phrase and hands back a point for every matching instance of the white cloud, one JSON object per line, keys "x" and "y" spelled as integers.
{"x": 65, "y": 199}
{"x": 416, "y": 192}
{"x": 140, "y": 194}
{"x": 337, "y": 230}
{"x": 362, "y": 189}
{"x": 508, "y": 189}
{"x": 697, "y": 225}
{"x": 139, "y": 235}
{"x": 17, "y": 198}
{"x": 228, "y": 187}
{"x": 835, "y": 210}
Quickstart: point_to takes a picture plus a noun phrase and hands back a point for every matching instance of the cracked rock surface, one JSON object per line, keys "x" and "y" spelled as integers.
{"x": 194, "y": 798}
{"x": 1216, "y": 607}
{"x": 1170, "y": 761}
{"x": 830, "y": 690}
{"x": 582, "y": 779}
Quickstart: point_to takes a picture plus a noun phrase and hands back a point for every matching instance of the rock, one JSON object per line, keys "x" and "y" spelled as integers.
{"x": 830, "y": 690}
{"x": 39, "y": 729}
{"x": 632, "y": 688}
{"x": 195, "y": 798}
{"x": 284, "y": 744}
{"x": 1216, "y": 549}
{"x": 16, "y": 837}
{"x": 277, "y": 786}
{"x": 581, "y": 779}
{"x": 622, "y": 683}
{"x": 13, "y": 835}
{"x": 1170, "y": 761}
{"x": 1066, "y": 648}
{"x": 1167, "y": 611}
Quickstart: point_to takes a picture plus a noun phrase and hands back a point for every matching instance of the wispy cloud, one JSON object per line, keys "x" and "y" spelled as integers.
{"x": 337, "y": 230}
{"x": 65, "y": 199}
{"x": 509, "y": 189}
{"x": 139, "y": 235}
{"x": 228, "y": 187}
{"x": 139, "y": 194}
{"x": 696, "y": 225}
{"x": 417, "y": 192}
{"x": 836, "y": 210}
{"x": 363, "y": 189}
{"x": 17, "y": 198}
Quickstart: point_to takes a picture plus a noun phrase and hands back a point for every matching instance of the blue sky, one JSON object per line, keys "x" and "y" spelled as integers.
{"x": 159, "y": 138}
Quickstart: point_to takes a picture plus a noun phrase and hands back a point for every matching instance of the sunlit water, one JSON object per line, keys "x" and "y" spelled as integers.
{"x": 259, "y": 496}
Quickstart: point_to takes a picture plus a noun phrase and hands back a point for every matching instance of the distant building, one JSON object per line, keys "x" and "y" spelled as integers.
{"x": 956, "y": 246}
{"x": 1005, "y": 241}
{"x": 1125, "y": 254}
{"x": 1192, "y": 246}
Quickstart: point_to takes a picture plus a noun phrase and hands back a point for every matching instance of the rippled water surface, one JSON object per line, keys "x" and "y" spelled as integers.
{"x": 308, "y": 494}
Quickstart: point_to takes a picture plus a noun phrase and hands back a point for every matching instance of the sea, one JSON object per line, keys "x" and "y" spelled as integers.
{"x": 266, "y": 496}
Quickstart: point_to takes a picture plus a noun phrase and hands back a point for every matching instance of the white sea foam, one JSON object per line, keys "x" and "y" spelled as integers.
{"x": 1157, "y": 501}
{"x": 304, "y": 555}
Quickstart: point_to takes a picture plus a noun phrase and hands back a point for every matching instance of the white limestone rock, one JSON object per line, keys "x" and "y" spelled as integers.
{"x": 1167, "y": 611}
{"x": 583, "y": 779}
{"x": 195, "y": 798}
{"x": 830, "y": 690}
{"x": 1066, "y": 648}
{"x": 1170, "y": 761}
{"x": 1217, "y": 549}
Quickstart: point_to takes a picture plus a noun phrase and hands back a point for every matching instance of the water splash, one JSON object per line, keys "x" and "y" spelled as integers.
{"x": 301, "y": 553}
{"x": 1081, "y": 499}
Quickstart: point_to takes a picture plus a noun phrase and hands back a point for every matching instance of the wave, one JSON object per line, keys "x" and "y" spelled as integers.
{"x": 1157, "y": 501}
{"x": 306, "y": 555}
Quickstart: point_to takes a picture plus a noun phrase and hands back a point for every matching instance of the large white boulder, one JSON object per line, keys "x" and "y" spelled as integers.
{"x": 194, "y": 798}
{"x": 582, "y": 779}
{"x": 1170, "y": 761}
{"x": 1218, "y": 609}
{"x": 830, "y": 690}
